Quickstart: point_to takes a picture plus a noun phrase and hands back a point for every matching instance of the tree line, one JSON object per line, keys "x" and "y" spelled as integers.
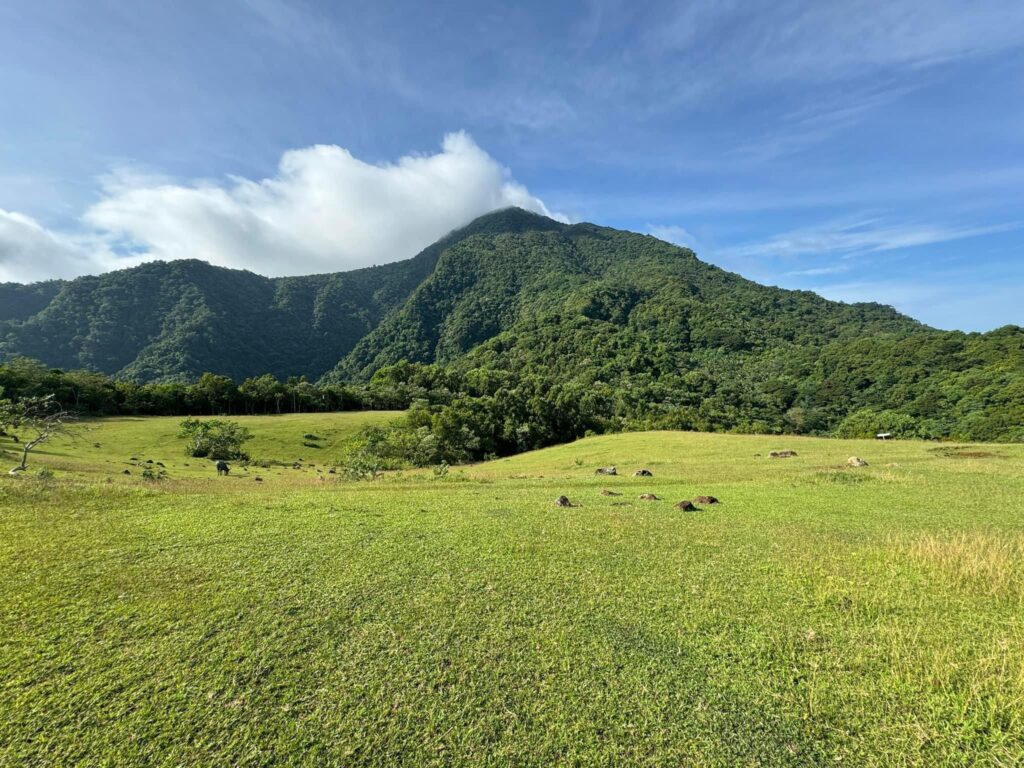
{"x": 95, "y": 394}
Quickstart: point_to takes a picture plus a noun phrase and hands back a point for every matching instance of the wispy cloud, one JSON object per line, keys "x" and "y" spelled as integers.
{"x": 813, "y": 123}
{"x": 865, "y": 236}
{"x": 671, "y": 233}
{"x": 819, "y": 41}
{"x": 835, "y": 269}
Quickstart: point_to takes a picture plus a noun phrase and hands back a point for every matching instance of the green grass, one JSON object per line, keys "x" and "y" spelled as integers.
{"x": 819, "y": 615}
{"x": 105, "y": 448}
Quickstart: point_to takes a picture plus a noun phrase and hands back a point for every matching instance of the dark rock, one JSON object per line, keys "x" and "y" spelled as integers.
{"x": 648, "y": 497}
{"x": 705, "y": 500}
{"x": 782, "y": 454}
{"x": 563, "y": 501}
{"x": 686, "y": 506}
{"x": 643, "y": 473}
{"x": 605, "y": 471}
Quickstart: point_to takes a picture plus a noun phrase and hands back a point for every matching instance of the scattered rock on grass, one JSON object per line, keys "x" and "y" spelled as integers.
{"x": 686, "y": 506}
{"x": 705, "y": 500}
{"x": 126, "y": 472}
{"x": 610, "y": 493}
{"x": 643, "y": 473}
{"x": 648, "y": 497}
{"x": 856, "y": 461}
{"x": 782, "y": 454}
{"x": 563, "y": 501}
{"x": 605, "y": 471}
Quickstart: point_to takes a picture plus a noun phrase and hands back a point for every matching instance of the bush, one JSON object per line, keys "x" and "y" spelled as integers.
{"x": 214, "y": 439}
{"x": 867, "y": 423}
{"x": 152, "y": 475}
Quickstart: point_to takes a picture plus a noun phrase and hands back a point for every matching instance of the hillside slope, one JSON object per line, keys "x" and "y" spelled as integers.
{"x": 584, "y": 287}
{"x": 164, "y": 321}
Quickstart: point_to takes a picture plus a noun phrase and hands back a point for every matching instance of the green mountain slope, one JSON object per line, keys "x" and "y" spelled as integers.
{"x": 164, "y": 321}
{"x": 19, "y": 302}
{"x": 550, "y": 330}
{"x": 545, "y": 292}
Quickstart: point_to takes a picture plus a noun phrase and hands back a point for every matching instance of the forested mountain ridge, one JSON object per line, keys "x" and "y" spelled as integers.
{"x": 166, "y": 321}
{"x": 528, "y": 331}
{"x": 173, "y": 321}
{"x": 594, "y": 282}
{"x": 20, "y": 302}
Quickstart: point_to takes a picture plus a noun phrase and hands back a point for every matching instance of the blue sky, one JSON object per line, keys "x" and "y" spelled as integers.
{"x": 863, "y": 150}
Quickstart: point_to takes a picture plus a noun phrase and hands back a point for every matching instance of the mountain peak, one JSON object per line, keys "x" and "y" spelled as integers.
{"x": 509, "y": 220}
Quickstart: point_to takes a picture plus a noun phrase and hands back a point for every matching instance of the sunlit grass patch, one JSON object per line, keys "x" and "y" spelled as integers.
{"x": 983, "y": 563}
{"x": 817, "y": 616}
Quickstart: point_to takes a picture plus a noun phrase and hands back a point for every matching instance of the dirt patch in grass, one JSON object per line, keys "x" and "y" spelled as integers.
{"x": 963, "y": 452}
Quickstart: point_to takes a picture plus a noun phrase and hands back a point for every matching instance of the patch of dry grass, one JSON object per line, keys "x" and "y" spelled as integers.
{"x": 985, "y": 563}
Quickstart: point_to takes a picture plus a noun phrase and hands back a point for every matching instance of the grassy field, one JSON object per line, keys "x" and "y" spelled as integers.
{"x": 107, "y": 448}
{"x": 820, "y": 615}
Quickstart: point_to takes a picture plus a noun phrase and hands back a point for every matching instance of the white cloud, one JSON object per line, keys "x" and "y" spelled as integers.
{"x": 323, "y": 211}
{"x": 30, "y": 252}
{"x": 671, "y": 233}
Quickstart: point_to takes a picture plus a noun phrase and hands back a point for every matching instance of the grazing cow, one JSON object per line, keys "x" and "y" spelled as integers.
{"x": 223, "y": 468}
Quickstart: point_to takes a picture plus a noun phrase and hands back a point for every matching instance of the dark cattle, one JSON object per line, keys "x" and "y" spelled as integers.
{"x": 223, "y": 468}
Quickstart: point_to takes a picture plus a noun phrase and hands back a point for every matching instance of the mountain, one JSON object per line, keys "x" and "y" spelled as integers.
{"x": 20, "y": 302}
{"x": 594, "y": 285}
{"x": 631, "y": 330}
{"x": 173, "y": 321}
{"x": 167, "y": 321}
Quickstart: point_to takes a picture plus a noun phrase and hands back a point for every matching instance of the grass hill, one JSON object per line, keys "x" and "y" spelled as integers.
{"x": 819, "y": 615}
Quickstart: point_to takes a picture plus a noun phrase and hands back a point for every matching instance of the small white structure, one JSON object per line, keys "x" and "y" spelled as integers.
{"x": 883, "y": 436}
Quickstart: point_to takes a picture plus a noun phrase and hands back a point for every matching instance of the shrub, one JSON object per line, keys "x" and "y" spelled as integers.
{"x": 152, "y": 474}
{"x": 215, "y": 438}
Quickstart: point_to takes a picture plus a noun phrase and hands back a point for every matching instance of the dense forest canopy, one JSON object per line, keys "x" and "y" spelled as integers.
{"x": 512, "y": 333}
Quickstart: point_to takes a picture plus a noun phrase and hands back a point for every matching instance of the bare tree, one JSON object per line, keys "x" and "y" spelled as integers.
{"x": 42, "y": 416}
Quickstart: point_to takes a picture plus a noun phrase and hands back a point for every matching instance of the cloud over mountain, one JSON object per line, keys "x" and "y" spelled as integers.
{"x": 324, "y": 210}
